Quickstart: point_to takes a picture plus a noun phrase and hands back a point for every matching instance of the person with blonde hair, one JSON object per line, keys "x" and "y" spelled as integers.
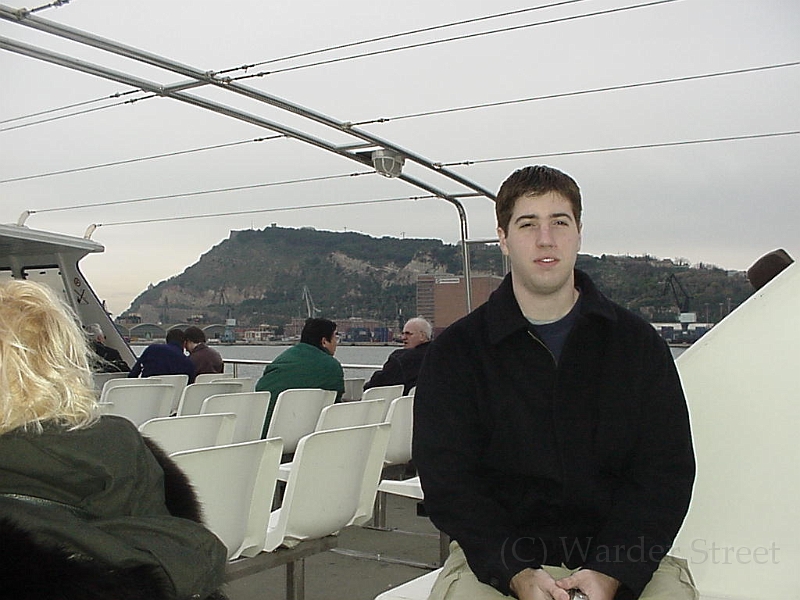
{"x": 89, "y": 509}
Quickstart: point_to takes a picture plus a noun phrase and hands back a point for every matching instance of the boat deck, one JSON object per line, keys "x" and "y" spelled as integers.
{"x": 346, "y": 573}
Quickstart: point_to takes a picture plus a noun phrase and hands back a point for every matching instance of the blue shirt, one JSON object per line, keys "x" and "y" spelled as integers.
{"x": 163, "y": 359}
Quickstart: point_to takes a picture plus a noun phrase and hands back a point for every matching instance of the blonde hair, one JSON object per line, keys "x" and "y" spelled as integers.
{"x": 44, "y": 361}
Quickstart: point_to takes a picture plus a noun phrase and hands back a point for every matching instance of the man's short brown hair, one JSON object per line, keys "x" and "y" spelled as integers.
{"x": 535, "y": 180}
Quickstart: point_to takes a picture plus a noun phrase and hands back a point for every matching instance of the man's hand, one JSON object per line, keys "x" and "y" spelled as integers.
{"x": 537, "y": 584}
{"x": 596, "y": 586}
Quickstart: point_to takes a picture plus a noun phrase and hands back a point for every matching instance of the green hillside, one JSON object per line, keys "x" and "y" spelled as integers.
{"x": 258, "y": 276}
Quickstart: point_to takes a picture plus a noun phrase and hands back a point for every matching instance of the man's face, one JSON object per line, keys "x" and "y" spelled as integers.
{"x": 542, "y": 243}
{"x": 412, "y": 335}
{"x": 331, "y": 344}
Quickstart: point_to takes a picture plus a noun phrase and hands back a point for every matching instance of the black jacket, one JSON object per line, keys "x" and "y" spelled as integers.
{"x": 525, "y": 462}
{"x": 402, "y": 366}
{"x": 48, "y": 543}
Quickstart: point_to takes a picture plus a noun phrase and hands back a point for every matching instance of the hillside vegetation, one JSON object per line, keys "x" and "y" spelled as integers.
{"x": 258, "y": 277}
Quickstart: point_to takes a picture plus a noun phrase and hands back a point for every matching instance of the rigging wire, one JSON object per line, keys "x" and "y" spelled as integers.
{"x": 611, "y": 88}
{"x": 391, "y": 36}
{"x": 74, "y": 114}
{"x": 269, "y": 210}
{"x": 453, "y": 39}
{"x": 203, "y": 192}
{"x": 54, "y": 4}
{"x": 68, "y": 106}
{"x": 142, "y": 159}
{"x": 426, "y": 114}
{"x": 323, "y": 50}
{"x": 467, "y": 163}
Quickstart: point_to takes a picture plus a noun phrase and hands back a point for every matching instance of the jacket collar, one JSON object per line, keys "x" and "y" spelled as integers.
{"x": 504, "y": 316}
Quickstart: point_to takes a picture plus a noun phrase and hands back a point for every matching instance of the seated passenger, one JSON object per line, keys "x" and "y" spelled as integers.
{"x": 205, "y": 359}
{"x": 109, "y": 359}
{"x": 309, "y": 364}
{"x": 165, "y": 359}
{"x": 403, "y": 365}
{"x": 88, "y": 510}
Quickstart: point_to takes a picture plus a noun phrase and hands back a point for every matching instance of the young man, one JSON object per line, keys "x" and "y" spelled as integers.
{"x": 205, "y": 359}
{"x": 403, "y": 365}
{"x": 550, "y": 430}
{"x": 309, "y": 364}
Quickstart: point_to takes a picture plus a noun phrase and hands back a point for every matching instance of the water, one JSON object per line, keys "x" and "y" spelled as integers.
{"x": 374, "y": 356}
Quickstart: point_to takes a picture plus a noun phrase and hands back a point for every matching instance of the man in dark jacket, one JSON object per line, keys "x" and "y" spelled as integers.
{"x": 403, "y": 365}
{"x": 164, "y": 359}
{"x": 551, "y": 433}
{"x": 109, "y": 359}
{"x": 205, "y": 359}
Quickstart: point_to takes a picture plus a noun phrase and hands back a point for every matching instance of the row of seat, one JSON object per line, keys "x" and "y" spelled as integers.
{"x": 332, "y": 485}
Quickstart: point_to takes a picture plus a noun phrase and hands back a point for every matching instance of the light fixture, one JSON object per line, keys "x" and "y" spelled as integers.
{"x": 387, "y": 162}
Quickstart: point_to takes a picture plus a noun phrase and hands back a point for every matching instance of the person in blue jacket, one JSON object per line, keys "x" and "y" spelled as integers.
{"x": 165, "y": 359}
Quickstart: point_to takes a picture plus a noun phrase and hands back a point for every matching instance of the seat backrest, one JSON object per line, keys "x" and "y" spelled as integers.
{"x": 333, "y": 470}
{"x": 176, "y": 434}
{"x": 353, "y": 388}
{"x": 350, "y": 414}
{"x": 387, "y": 392}
{"x": 209, "y": 377}
{"x": 248, "y": 383}
{"x": 138, "y": 403}
{"x": 296, "y": 414}
{"x": 235, "y": 485}
{"x": 179, "y": 382}
{"x": 118, "y": 381}
{"x": 101, "y": 378}
{"x": 250, "y": 409}
{"x": 401, "y": 416}
{"x": 740, "y": 379}
{"x": 193, "y": 394}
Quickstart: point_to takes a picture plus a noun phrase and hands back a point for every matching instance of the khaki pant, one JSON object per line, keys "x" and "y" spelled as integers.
{"x": 671, "y": 581}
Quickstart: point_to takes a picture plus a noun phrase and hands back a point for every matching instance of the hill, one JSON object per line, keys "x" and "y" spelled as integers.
{"x": 259, "y": 276}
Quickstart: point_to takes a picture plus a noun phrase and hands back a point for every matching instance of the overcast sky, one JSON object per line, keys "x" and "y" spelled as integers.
{"x": 724, "y": 203}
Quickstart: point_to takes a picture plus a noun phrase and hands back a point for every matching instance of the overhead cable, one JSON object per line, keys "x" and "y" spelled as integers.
{"x": 269, "y": 210}
{"x": 74, "y": 114}
{"x": 466, "y": 163}
{"x": 202, "y": 192}
{"x": 453, "y": 39}
{"x": 142, "y": 159}
{"x": 610, "y": 88}
{"x": 68, "y": 106}
{"x": 391, "y": 36}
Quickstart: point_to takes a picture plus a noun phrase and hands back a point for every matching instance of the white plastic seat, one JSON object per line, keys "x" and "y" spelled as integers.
{"x": 138, "y": 403}
{"x": 211, "y": 377}
{"x": 235, "y": 484}
{"x": 178, "y": 382}
{"x": 387, "y": 392}
{"x": 250, "y": 409}
{"x": 353, "y": 388}
{"x": 350, "y": 414}
{"x": 338, "y": 416}
{"x": 296, "y": 414}
{"x": 125, "y": 381}
{"x": 334, "y": 473}
{"x": 193, "y": 394}
{"x": 101, "y": 378}
{"x": 401, "y": 416}
{"x": 176, "y": 434}
{"x": 248, "y": 383}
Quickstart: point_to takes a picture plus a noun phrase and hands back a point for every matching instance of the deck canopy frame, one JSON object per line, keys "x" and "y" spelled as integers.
{"x": 364, "y": 143}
